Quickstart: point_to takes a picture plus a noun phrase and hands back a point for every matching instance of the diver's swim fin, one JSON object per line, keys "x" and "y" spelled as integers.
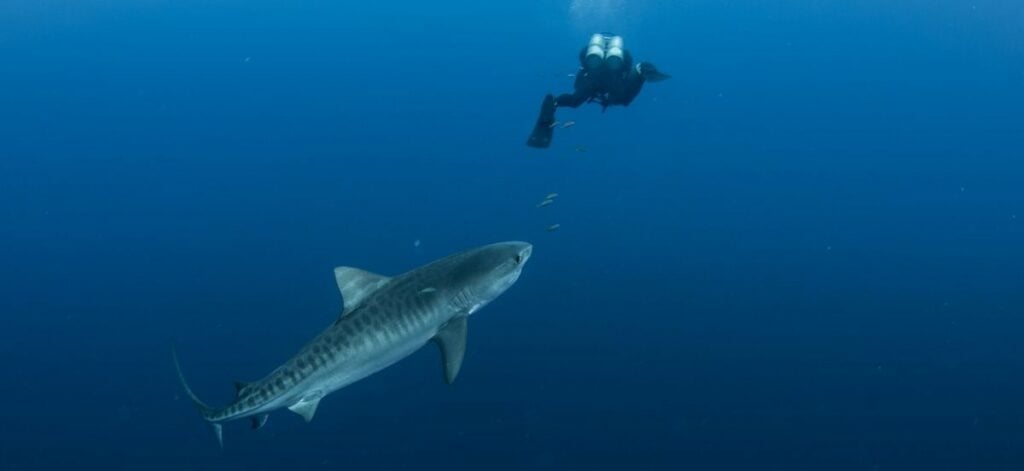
{"x": 545, "y": 127}
{"x": 657, "y": 76}
{"x": 651, "y": 73}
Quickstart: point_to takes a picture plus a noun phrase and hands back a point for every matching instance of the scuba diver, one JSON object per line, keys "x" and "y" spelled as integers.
{"x": 607, "y": 76}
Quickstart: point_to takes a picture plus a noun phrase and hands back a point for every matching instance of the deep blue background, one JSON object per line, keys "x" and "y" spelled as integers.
{"x": 805, "y": 251}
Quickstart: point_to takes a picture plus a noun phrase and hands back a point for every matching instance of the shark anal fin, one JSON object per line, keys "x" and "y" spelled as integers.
{"x": 452, "y": 341}
{"x": 355, "y": 285}
{"x": 305, "y": 407}
{"x": 259, "y": 421}
{"x": 218, "y": 432}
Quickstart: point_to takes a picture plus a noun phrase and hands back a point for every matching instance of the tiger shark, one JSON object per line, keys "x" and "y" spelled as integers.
{"x": 383, "y": 320}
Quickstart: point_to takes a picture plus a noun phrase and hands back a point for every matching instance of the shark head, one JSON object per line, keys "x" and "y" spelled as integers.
{"x": 484, "y": 273}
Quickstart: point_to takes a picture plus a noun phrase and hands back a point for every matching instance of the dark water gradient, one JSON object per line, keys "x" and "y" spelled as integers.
{"x": 803, "y": 252}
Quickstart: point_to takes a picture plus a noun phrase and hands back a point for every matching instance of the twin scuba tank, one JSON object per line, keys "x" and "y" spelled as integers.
{"x": 604, "y": 49}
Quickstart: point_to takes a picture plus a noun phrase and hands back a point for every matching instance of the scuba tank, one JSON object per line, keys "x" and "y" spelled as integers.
{"x": 604, "y": 48}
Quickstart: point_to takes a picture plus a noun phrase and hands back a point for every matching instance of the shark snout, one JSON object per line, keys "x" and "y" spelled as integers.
{"x": 524, "y": 252}
{"x": 518, "y": 250}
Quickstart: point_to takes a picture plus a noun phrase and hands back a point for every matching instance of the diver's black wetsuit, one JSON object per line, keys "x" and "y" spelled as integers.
{"x": 601, "y": 81}
{"x": 605, "y": 86}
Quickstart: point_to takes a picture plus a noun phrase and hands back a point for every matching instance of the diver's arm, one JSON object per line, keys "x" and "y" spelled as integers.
{"x": 584, "y": 89}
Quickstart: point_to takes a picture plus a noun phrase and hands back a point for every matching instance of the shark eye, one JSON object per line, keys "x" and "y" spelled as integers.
{"x": 519, "y": 258}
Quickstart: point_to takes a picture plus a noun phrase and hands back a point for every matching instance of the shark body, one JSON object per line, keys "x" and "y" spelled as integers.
{"x": 383, "y": 321}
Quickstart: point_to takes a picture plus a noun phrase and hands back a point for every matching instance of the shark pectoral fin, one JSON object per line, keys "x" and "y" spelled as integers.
{"x": 452, "y": 341}
{"x": 355, "y": 285}
{"x": 218, "y": 432}
{"x": 259, "y": 421}
{"x": 305, "y": 407}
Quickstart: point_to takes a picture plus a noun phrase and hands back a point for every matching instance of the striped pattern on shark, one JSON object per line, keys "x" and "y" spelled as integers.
{"x": 383, "y": 321}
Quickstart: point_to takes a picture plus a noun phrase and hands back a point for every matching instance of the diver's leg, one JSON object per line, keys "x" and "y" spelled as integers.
{"x": 572, "y": 100}
{"x": 544, "y": 128}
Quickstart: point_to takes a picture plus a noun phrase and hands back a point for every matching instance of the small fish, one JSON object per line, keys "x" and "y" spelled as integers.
{"x": 546, "y": 203}
{"x": 554, "y": 124}
{"x": 553, "y": 227}
{"x": 581, "y": 148}
{"x": 551, "y": 196}
{"x": 568, "y": 124}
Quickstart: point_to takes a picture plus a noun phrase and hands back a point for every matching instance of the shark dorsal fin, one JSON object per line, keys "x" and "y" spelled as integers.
{"x": 355, "y": 285}
{"x": 452, "y": 341}
{"x": 240, "y": 386}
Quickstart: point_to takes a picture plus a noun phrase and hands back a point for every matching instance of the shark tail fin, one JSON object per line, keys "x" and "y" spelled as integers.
{"x": 204, "y": 410}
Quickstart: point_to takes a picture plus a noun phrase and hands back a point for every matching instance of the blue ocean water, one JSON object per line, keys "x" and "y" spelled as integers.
{"x": 804, "y": 251}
